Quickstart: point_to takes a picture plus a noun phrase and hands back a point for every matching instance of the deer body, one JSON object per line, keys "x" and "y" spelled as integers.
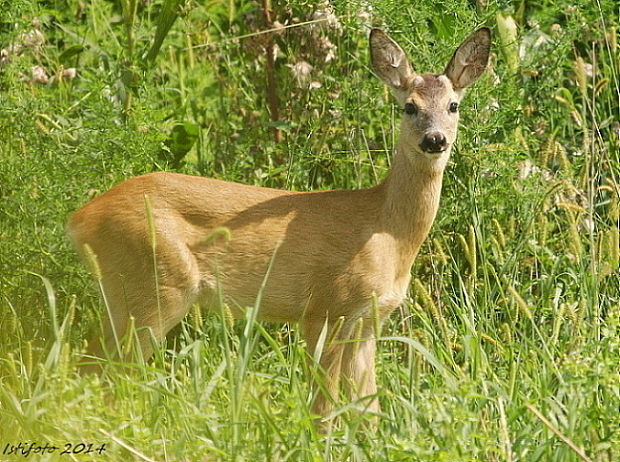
{"x": 331, "y": 255}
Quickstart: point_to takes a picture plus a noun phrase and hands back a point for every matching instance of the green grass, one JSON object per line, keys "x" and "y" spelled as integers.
{"x": 508, "y": 348}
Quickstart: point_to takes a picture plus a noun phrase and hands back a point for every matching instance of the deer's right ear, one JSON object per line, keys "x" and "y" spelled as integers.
{"x": 389, "y": 60}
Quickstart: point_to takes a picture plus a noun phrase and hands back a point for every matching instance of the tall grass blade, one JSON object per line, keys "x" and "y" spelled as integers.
{"x": 169, "y": 14}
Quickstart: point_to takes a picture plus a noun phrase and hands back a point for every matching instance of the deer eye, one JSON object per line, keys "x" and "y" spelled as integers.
{"x": 411, "y": 108}
{"x": 454, "y": 107}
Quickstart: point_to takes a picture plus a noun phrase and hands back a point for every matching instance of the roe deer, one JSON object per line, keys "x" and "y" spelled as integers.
{"x": 338, "y": 260}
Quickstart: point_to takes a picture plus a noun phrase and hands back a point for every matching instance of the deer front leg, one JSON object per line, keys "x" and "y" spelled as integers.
{"x": 358, "y": 366}
{"x": 326, "y": 380}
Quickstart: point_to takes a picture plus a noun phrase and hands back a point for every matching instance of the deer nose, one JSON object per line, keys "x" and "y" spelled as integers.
{"x": 434, "y": 142}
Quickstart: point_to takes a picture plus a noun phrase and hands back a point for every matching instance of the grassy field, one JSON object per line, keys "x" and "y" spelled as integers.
{"x": 508, "y": 348}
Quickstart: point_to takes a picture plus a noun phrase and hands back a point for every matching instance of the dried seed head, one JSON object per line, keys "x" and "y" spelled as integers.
{"x": 229, "y": 318}
{"x": 301, "y": 72}
{"x": 520, "y": 302}
{"x": 471, "y": 254}
{"x": 150, "y": 220}
{"x": 582, "y": 71}
{"x": 93, "y": 261}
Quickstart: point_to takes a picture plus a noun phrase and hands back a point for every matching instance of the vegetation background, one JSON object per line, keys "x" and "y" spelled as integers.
{"x": 509, "y": 346}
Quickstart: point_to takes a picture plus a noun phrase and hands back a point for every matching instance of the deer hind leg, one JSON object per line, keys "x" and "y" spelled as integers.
{"x": 156, "y": 304}
{"x": 155, "y": 315}
{"x": 152, "y": 321}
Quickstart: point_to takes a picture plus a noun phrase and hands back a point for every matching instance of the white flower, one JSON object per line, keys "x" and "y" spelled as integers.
{"x": 493, "y": 105}
{"x": 33, "y": 39}
{"x": 70, "y": 73}
{"x": 39, "y": 75}
{"x": 527, "y": 168}
{"x": 365, "y": 14}
{"x": 328, "y": 48}
{"x": 327, "y": 17}
{"x": 108, "y": 94}
{"x": 4, "y": 57}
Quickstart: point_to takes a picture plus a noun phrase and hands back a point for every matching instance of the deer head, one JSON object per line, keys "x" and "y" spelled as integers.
{"x": 430, "y": 102}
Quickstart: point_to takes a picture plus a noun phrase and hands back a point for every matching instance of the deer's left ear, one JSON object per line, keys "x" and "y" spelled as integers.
{"x": 470, "y": 59}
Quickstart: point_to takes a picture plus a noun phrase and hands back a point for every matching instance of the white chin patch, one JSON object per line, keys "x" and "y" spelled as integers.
{"x": 434, "y": 155}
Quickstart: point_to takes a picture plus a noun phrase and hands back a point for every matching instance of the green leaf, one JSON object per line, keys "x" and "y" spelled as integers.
{"x": 283, "y": 125}
{"x": 182, "y": 138}
{"x": 167, "y": 17}
{"x": 70, "y": 53}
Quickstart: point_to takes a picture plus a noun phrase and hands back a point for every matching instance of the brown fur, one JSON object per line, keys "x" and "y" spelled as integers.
{"x": 332, "y": 253}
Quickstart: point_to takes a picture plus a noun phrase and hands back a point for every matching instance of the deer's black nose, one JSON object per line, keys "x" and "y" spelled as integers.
{"x": 434, "y": 142}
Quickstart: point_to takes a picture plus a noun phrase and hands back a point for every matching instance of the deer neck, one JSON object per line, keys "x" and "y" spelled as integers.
{"x": 412, "y": 190}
